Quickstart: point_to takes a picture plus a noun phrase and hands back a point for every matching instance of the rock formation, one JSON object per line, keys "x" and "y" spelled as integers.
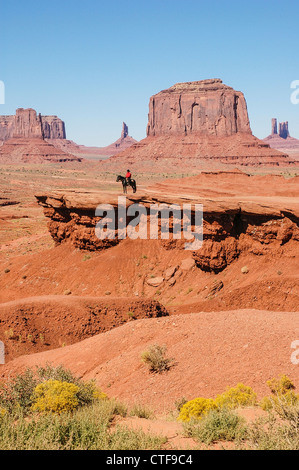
{"x": 28, "y": 124}
{"x": 274, "y": 126}
{"x": 125, "y": 131}
{"x": 196, "y": 126}
{"x": 6, "y": 127}
{"x": 281, "y": 140}
{"x": 27, "y": 136}
{"x": 97, "y": 153}
{"x": 53, "y": 128}
{"x": 32, "y": 150}
{"x": 284, "y": 130}
{"x": 234, "y": 222}
{"x": 206, "y": 107}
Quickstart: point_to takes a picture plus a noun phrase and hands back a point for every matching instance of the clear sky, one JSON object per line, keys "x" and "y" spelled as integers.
{"x": 95, "y": 63}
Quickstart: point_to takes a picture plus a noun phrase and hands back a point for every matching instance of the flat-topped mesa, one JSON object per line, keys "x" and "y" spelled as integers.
{"x": 28, "y": 124}
{"x": 206, "y": 107}
{"x": 25, "y": 139}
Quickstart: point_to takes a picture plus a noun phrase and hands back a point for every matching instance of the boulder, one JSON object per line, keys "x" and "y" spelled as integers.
{"x": 155, "y": 281}
{"x": 187, "y": 264}
{"x": 170, "y": 272}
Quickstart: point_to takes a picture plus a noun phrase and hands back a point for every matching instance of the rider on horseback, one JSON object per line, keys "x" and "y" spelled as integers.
{"x": 127, "y": 181}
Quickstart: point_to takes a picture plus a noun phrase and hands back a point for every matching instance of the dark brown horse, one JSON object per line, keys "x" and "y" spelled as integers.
{"x": 126, "y": 183}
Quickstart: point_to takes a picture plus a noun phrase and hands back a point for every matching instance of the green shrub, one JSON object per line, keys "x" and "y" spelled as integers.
{"x": 278, "y": 431}
{"x": 217, "y": 425}
{"x": 88, "y": 428}
{"x": 19, "y": 392}
{"x": 141, "y": 412}
{"x": 275, "y": 401}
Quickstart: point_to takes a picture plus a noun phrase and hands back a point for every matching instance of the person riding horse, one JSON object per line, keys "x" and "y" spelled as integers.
{"x": 127, "y": 181}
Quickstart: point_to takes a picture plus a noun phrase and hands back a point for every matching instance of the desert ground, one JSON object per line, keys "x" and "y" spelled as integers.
{"x": 226, "y": 312}
{"x": 95, "y": 311}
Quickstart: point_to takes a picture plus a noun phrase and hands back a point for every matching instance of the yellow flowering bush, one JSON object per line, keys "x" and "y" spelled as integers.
{"x": 282, "y": 389}
{"x": 236, "y": 397}
{"x": 54, "y": 396}
{"x": 196, "y": 408}
{"x": 232, "y": 398}
{"x": 281, "y": 385}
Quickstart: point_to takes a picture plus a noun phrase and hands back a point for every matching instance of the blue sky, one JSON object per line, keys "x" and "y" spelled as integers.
{"x": 96, "y": 63}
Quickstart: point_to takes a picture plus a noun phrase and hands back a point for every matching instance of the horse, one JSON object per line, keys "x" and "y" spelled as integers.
{"x": 125, "y": 183}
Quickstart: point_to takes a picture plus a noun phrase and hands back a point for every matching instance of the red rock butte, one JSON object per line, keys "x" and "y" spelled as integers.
{"x": 24, "y": 138}
{"x": 280, "y": 139}
{"x": 198, "y": 125}
{"x": 206, "y": 107}
{"x": 28, "y": 124}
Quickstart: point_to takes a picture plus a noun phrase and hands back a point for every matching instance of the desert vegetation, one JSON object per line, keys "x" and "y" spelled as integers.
{"x": 49, "y": 408}
{"x": 210, "y": 421}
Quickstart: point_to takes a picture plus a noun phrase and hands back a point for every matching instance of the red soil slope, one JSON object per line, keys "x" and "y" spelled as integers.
{"x": 210, "y": 351}
{"x": 41, "y": 323}
{"x": 31, "y": 150}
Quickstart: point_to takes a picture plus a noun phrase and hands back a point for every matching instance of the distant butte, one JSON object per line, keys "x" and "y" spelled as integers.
{"x": 194, "y": 126}
{"x": 281, "y": 139}
{"x": 23, "y": 138}
{"x": 32, "y": 138}
{"x": 97, "y": 153}
{"x": 28, "y": 124}
{"x": 206, "y": 107}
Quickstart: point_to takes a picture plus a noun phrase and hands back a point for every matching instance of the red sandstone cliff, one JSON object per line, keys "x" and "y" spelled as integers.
{"x": 28, "y": 124}
{"x": 197, "y": 126}
{"x": 207, "y": 107}
{"x": 24, "y": 138}
{"x": 194, "y": 126}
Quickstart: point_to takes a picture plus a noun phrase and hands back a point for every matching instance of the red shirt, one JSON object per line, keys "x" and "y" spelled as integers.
{"x": 128, "y": 175}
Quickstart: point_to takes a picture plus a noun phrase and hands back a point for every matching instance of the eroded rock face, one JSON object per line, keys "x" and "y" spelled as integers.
{"x": 284, "y": 130}
{"x": 6, "y": 124}
{"x": 53, "y": 128}
{"x": 28, "y": 124}
{"x": 205, "y": 107}
{"x": 230, "y": 228}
